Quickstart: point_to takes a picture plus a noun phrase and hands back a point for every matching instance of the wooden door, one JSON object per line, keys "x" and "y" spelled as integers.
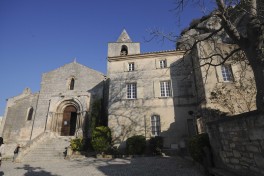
{"x": 68, "y": 125}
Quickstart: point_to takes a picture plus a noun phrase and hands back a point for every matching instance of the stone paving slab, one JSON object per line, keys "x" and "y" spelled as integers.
{"x": 146, "y": 166}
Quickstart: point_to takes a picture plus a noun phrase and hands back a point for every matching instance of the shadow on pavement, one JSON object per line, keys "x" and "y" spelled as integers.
{"x": 34, "y": 171}
{"x": 149, "y": 167}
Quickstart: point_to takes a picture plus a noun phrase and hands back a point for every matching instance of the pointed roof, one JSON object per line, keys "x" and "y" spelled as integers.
{"x": 124, "y": 37}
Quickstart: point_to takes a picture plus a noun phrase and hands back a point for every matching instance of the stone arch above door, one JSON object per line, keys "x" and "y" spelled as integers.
{"x": 59, "y": 122}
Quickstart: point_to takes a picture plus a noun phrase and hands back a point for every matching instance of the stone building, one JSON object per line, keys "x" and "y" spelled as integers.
{"x": 222, "y": 89}
{"x": 150, "y": 94}
{"x": 61, "y": 106}
{"x": 227, "y": 89}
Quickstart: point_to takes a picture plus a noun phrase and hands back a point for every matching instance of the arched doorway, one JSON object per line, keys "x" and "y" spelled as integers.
{"x": 68, "y": 125}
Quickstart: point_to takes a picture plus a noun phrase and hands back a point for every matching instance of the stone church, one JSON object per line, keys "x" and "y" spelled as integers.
{"x": 61, "y": 106}
{"x": 149, "y": 94}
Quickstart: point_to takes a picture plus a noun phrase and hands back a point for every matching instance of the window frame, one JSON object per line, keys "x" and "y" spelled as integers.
{"x": 163, "y": 63}
{"x": 227, "y": 74}
{"x": 131, "y": 90}
{"x": 155, "y": 125}
{"x": 131, "y": 66}
{"x": 30, "y": 113}
{"x": 165, "y": 89}
{"x": 72, "y": 84}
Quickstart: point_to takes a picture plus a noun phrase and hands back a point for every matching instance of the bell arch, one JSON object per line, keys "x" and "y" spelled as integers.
{"x": 124, "y": 50}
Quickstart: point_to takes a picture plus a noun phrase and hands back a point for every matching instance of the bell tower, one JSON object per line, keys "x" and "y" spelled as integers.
{"x": 123, "y": 46}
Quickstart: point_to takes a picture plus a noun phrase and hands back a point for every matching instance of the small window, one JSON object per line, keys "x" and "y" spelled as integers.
{"x": 124, "y": 50}
{"x": 227, "y": 73}
{"x": 163, "y": 63}
{"x": 72, "y": 84}
{"x": 132, "y": 91}
{"x": 30, "y": 114}
{"x": 131, "y": 66}
{"x": 165, "y": 89}
{"x": 155, "y": 125}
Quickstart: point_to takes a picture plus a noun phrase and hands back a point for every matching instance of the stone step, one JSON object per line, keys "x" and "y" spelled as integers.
{"x": 49, "y": 149}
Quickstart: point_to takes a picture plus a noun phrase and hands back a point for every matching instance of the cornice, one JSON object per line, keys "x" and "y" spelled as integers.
{"x": 147, "y": 55}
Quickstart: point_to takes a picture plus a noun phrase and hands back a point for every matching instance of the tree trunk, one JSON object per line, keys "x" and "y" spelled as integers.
{"x": 254, "y": 50}
{"x": 256, "y": 61}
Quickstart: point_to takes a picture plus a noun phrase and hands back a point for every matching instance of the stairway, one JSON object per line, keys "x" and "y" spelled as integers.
{"x": 52, "y": 148}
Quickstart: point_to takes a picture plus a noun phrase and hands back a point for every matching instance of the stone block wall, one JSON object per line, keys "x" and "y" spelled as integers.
{"x": 17, "y": 128}
{"x": 238, "y": 143}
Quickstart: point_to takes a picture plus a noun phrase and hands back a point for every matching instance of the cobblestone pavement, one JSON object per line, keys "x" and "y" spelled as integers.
{"x": 146, "y": 166}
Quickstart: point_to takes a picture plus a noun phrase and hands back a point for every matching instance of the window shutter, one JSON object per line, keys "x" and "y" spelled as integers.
{"x": 125, "y": 66}
{"x": 156, "y": 87}
{"x": 235, "y": 72}
{"x": 139, "y": 91}
{"x": 167, "y": 63}
{"x": 123, "y": 90}
{"x": 219, "y": 75}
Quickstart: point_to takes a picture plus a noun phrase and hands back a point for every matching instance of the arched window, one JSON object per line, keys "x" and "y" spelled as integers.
{"x": 124, "y": 50}
{"x": 30, "y": 113}
{"x": 72, "y": 84}
{"x": 155, "y": 125}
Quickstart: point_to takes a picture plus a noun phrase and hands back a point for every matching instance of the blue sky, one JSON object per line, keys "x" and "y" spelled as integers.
{"x": 37, "y": 36}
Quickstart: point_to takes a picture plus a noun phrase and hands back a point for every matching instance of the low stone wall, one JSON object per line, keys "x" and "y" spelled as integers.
{"x": 238, "y": 143}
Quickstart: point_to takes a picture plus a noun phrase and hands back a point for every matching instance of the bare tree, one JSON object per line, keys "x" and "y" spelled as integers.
{"x": 235, "y": 98}
{"x": 242, "y": 21}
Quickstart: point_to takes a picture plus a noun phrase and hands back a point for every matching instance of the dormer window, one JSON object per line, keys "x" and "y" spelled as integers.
{"x": 124, "y": 50}
{"x": 72, "y": 84}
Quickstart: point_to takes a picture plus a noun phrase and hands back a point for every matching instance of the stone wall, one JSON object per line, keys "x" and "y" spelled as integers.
{"x": 238, "y": 143}
{"x": 17, "y": 128}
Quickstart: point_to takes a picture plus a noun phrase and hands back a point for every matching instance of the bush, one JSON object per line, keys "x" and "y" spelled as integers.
{"x": 114, "y": 151}
{"x": 156, "y": 144}
{"x": 196, "y": 145}
{"x": 136, "y": 145}
{"x": 101, "y": 139}
{"x": 76, "y": 144}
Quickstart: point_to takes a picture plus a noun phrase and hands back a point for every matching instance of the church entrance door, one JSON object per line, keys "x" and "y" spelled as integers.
{"x": 69, "y": 121}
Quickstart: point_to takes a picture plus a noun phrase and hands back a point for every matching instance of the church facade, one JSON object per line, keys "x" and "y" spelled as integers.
{"x": 61, "y": 106}
{"x": 150, "y": 94}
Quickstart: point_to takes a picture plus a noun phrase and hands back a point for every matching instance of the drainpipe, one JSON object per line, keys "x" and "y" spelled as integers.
{"x": 145, "y": 126}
